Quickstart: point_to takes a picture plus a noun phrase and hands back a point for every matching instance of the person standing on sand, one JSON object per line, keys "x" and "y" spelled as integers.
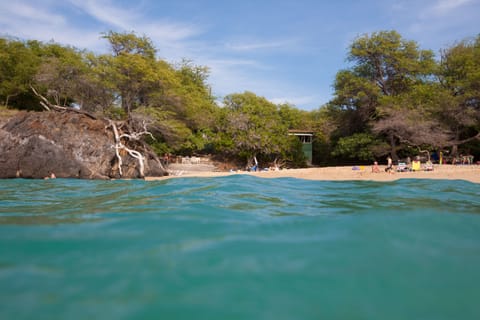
{"x": 375, "y": 167}
{"x": 389, "y": 167}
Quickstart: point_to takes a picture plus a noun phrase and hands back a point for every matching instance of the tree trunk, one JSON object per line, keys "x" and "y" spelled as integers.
{"x": 455, "y": 146}
{"x": 393, "y": 147}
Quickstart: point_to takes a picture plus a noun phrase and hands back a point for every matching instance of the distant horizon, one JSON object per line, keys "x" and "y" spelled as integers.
{"x": 285, "y": 51}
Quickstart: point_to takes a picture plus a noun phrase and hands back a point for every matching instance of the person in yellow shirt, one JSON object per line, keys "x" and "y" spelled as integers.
{"x": 416, "y": 166}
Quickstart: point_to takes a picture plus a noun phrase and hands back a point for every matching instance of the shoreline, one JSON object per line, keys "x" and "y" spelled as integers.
{"x": 469, "y": 173}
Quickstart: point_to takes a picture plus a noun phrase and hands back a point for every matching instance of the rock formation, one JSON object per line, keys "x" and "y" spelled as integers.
{"x": 71, "y": 145}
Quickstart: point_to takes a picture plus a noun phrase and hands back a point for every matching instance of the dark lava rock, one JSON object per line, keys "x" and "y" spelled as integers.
{"x": 71, "y": 145}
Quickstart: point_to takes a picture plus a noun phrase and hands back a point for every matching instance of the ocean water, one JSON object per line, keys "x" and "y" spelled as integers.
{"x": 239, "y": 247}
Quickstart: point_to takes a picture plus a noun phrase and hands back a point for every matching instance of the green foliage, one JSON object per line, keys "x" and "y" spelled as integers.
{"x": 132, "y": 76}
{"x": 164, "y": 126}
{"x": 392, "y": 63}
{"x": 254, "y": 125}
{"x": 460, "y": 79}
{"x": 389, "y": 79}
{"x": 294, "y": 155}
{"x": 199, "y": 108}
{"x": 60, "y": 73}
{"x": 294, "y": 118}
{"x": 129, "y": 43}
{"x": 159, "y": 147}
{"x": 198, "y": 142}
{"x": 359, "y": 146}
{"x": 18, "y": 64}
{"x": 393, "y": 97}
{"x": 115, "y": 113}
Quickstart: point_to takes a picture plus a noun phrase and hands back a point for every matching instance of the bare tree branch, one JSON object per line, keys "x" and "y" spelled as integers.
{"x": 135, "y": 136}
{"x": 119, "y": 136}
{"x": 50, "y": 106}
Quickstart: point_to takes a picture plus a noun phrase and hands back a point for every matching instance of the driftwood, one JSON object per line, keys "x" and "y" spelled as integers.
{"x": 119, "y": 145}
{"x": 48, "y": 106}
{"x": 122, "y": 132}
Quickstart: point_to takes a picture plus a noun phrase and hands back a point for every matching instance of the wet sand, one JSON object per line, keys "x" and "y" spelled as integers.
{"x": 447, "y": 172}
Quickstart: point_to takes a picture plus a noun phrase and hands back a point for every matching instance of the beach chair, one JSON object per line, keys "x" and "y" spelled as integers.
{"x": 428, "y": 166}
{"x": 402, "y": 167}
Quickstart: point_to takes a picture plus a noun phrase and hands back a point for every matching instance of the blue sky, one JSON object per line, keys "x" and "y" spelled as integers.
{"x": 286, "y": 51}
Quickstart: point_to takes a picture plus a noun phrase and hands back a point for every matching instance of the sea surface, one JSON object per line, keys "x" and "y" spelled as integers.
{"x": 239, "y": 247}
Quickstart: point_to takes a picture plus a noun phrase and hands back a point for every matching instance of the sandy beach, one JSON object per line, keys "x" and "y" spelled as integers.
{"x": 447, "y": 172}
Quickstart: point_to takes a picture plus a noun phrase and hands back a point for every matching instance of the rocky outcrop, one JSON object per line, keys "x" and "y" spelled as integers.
{"x": 71, "y": 145}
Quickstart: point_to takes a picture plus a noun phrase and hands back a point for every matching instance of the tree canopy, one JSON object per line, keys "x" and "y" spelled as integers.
{"x": 397, "y": 94}
{"x": 393, "y": 98}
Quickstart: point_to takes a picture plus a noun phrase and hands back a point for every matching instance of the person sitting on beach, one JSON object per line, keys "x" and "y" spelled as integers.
{"x": 416, "y": 164}
{"x": 428, "y": 166}
{"x": 375, "y": 167}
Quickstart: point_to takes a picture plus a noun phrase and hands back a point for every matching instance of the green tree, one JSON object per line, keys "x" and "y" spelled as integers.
{"x": 60, "y": 73}
{"x": 131, "y": 68}
{"x": 361, "y": 146}
{"x": 385, "y": 67}
{"x": 18, "y": 65}
{"x": 411, "y": 118}
{"x": 459, "y": 100}
{"x": 94, "y": 89}
{"x": 254, "y": 127}
{"x": 198, "y": 105}
{"x": 323, "y": 128}
{"x": 295, "y": 118}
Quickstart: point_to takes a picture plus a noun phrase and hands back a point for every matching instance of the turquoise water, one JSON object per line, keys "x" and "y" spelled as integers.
{"x": 239, "y": 247}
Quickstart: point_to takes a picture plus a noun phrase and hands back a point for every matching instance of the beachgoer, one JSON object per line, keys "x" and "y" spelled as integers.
{"x": 51, "y": 175}
{"x": 166, "y": 159}
{"x": 416, "y": 164}
{"x": 428, "y": 166}
{"x": 389, "y": 167}
{"x": 375, "y": 167}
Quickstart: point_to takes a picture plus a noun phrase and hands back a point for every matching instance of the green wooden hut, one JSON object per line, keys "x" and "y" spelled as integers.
{"x": 306, "y": 137}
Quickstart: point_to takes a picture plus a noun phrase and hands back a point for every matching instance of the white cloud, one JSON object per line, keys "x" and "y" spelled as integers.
{"x": 48, "y": 20}
{"x": 80, "y": 22}
{"x": 443, "y": 7}
{"x": 37, "y": 20}
{"x": 132, "y": 19}
{"x": 29, "y": 12}
{"x": 437, "y": 23}
{"x": 106, "y": 12}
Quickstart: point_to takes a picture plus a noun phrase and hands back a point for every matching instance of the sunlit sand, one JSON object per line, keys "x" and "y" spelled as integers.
{"x": 447, "y": 172}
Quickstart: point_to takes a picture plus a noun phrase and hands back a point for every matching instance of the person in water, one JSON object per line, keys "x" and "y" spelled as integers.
{"x": 51, "y": 175}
